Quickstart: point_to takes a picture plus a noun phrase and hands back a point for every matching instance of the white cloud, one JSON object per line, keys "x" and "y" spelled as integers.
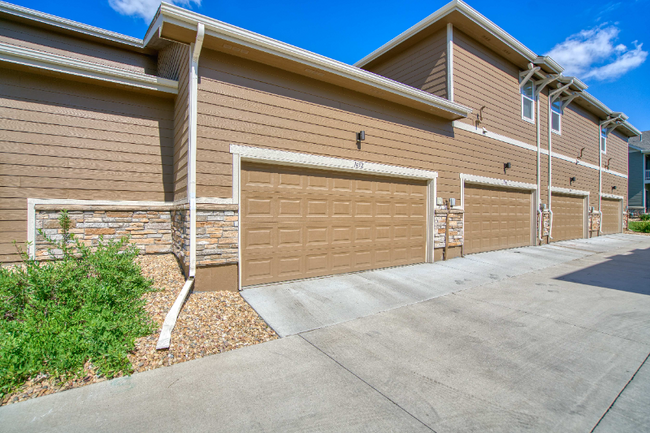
{"x": 592, "y": 54}
{"x": 144, "y": 9}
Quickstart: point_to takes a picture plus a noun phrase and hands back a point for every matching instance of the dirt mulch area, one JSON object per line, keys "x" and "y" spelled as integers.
{"x": 209, "y": 323}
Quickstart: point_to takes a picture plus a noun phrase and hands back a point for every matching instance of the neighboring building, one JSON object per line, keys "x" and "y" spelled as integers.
{"x": 639, "y": 173}
{"x": 255, "y": 161}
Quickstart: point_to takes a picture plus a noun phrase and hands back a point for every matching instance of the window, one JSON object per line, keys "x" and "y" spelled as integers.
{"x": 556, "y": 117}
{"x": 528, "y": 101}
{"x": 603, "y": 141}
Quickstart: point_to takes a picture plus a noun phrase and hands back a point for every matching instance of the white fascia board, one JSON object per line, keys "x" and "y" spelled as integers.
{"x": 550, "y": 62}
{"x": 69, "y": 25}
{"x": 471, "y": 178}
{"x": 237, "y": 35}
{"x": 469, "y": 128}
{"x": 612, "y": 196}
{"x": 569, "y": 191}
{"x": 465, "y": 9}
{"x": 82, "y": 68}
{"x": 283, "y": 157}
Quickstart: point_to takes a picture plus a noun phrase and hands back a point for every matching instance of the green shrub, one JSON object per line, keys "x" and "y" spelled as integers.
{"x": 640, "y": 226}
{"x": 58, "y": 314}
{"x": 645, "y": 217}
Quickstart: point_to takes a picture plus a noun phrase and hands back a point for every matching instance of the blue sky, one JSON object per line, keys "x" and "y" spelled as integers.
{"x": 606, "y": 43}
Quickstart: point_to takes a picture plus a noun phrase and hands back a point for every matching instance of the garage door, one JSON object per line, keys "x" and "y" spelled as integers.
{"x": 496, "y": 218}
{"x": 568, "y": 217}
{"x": 300, "y": 223}
{"x": 612, "y": 214}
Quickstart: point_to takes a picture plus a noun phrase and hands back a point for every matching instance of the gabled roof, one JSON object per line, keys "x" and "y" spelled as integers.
{"x": 641, "y": 142}
{"x": 178, "y": 24}
{"x": 472, "y": 23}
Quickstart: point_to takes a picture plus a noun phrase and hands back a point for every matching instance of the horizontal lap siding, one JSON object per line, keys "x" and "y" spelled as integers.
{"x": 579, "y": 129}
{"x": 482, "y": 78}
{"x": 245, "y": 103}
{"x": 423, "y": 66}
{"x": 67, "y": 140}
{"x": 181, "y": 122}
{"x": 69, "y": 46}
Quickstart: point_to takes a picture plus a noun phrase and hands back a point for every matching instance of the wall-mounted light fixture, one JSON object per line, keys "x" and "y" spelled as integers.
{"x": 506, "y": 166}
{"x": 361, "y": 136}
{"x": 581, "y": 150}
{"x": 607, "y": 165}
{"x": 573, "y": 179}
{"x": 614, "y": 187}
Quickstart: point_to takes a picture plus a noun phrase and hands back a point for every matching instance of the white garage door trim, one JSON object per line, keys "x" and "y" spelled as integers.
{"x": 503, "y": 183}
{"x": 282, "y": 157}
{"x": 585, "y": 206}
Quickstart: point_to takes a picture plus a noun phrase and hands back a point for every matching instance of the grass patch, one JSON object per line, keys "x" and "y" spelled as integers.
{"x": 57, "y": 315}
{"x": 640, "y": 226}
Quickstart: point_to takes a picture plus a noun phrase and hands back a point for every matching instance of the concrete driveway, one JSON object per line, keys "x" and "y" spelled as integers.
{"x": 536, "y": 339}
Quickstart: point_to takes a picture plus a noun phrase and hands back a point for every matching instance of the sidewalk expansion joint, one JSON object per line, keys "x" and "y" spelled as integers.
{"x": 369, "y": 385}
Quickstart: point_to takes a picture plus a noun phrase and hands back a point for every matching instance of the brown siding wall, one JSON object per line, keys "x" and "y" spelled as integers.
{"x": 246, "y": 103}
{"x": 423, "y": 66}
{"x": 483, "y": 78}
{"x": 181, "y": 122}
{"x": 47, "y": 41}
{"x": 67, "y": 140}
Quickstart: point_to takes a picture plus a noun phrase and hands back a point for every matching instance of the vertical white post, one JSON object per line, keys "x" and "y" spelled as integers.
{"x": 450, "y": 61}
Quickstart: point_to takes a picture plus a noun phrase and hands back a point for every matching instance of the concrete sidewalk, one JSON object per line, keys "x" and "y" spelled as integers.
{"x": 539, "y": 339}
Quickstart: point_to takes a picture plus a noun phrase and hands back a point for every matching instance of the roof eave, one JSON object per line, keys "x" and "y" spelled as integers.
{"x": 218, "y": 29}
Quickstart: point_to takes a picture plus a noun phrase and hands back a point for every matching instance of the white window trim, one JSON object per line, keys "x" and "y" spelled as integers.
{"x": 521, "y": 92}
{"x": 603, "y": 136}
{"x": 560, "y": 114}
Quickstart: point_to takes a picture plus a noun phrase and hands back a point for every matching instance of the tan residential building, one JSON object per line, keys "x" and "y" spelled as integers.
{"x": 255, "y": 161}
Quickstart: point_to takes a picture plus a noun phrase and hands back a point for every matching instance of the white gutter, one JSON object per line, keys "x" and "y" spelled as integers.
{"x": 82, "y": 68}
{"x": 217, "y": 29}
{"x": 195, "y": 50}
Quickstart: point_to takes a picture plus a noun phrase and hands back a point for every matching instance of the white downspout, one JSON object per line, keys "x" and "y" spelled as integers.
{"x": 164, "y": 340}
{"x": 600, "y": 177}
{"x": 195, "y": 49}
{"x": 540, "y": 215}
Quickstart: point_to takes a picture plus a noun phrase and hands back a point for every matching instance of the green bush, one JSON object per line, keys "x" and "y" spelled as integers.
{"x": 640, "y": 226}
{"x": 645, "y": 217}
{"x": 58, "y": 314}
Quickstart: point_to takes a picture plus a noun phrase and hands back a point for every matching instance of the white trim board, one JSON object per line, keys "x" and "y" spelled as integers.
{"x": 612, "y": 196}
{"x": 482, "y": 180}
{"x": 484, "y": 133}
{"x": 569, "y": 191}
{"x": 81, "y": 68}
{"x": 249, "y": 153}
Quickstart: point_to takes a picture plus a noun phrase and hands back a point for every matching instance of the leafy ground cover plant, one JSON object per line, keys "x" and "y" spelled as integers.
{"x": 644, "y": 217}
{"x": 57, "y": 315}
{"x": 640, "y": 226}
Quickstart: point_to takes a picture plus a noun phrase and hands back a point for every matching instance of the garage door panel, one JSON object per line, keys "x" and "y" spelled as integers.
{"x": 299, "y": 223}
{"x": 496, "y": 218}
{"x": 568, "y": 217}
{"x": 611, "y": 217}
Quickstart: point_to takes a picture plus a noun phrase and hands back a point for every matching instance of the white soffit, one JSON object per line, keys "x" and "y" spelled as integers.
{"x": 217, "y": 29}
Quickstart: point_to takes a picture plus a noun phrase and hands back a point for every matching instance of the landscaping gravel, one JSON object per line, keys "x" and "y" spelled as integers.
{"x": 209, "y": 323}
